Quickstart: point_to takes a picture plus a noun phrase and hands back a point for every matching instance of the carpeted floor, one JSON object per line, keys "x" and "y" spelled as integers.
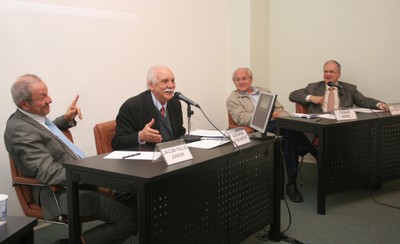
{"x": 352, "y": 216}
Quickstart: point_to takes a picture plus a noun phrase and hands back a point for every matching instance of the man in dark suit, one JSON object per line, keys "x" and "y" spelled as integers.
{"x": 39, "y": 153}
{"x": 315, "y": 95}
{"x": 151, "y": 117}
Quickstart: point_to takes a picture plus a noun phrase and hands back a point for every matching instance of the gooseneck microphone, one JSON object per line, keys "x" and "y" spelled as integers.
{"x": 331, "y": 83}
{"x": 180, "y": 96}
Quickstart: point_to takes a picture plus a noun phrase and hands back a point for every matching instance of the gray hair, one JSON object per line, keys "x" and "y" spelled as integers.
{"x": 338, "y": 66}
{"x": 152, "y": 74}
{"x": 249, "y": 73}
{"x": 21, "y": 89}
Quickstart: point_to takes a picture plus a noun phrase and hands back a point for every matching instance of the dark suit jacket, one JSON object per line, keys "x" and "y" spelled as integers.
{"x": 136, "y": 112}
{"x": 349, "y": 96}
{"x": 38, "y": 153}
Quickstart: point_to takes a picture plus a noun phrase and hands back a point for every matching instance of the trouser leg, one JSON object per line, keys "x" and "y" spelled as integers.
{"x": 119, "y": 220}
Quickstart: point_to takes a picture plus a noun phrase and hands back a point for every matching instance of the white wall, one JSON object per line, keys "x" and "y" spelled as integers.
{"x": 105, "y": 58}
{"x": 362, "y": 35}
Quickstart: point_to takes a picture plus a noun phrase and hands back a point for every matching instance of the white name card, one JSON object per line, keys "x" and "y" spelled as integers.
{"x": 345, "y": 114}
{"x": 174, "y": 151}
{"x": 394, "y": 109}
{"x": 239, "y": 136}
{"x": 176, "y": 154}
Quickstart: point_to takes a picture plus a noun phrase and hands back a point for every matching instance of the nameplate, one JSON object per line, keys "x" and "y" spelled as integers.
{"x": 394, "y": 109}
{"x": 345, "y": 114}
{"x": 239, "y": 136}
{"x": 174, "y": 151}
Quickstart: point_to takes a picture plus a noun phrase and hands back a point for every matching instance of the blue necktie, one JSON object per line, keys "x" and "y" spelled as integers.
{"x": 53, "y": 128}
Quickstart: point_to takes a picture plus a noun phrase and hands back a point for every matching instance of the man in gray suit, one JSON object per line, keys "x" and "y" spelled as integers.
{"x": 346, "y": 95}
{"x": 40, "y": 154}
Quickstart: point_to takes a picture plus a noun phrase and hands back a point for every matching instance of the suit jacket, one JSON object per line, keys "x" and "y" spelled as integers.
{"x": 241, "y": 107}
{"x": 349, "y": 96}
{"x": 136, "y": 112}
{"x": 38, "y": 153}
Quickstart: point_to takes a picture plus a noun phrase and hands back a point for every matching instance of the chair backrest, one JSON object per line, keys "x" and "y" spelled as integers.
{"x": 232, "y": 124}
{"x": 103, "y": 135}
{"x": 24, "y": 192}
{"x": 68, "y": 134}
{"x": 23, "y": 188}
{"x": 301, "y": 108}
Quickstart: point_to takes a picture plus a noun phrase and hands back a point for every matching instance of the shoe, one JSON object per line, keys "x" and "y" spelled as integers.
{"x": 61, "y": 241}
{"x": 293, "y": 193}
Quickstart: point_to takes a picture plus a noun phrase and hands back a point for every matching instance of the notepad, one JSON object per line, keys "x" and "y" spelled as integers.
{"x": 306, "y": 116}
{"x": 142, "y": 156}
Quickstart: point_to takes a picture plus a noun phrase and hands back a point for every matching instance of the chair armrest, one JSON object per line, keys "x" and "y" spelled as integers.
{"x": 21, "y": 180}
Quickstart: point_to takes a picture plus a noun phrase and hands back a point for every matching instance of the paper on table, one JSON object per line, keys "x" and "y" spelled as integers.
{"x": 207, "y": 144}
{"x": 367, "y": 110}
{"x": 208, "y": 133}
{"x": 312, "y": 116}
{"x": 139, "y": 155}
{"x": 306, "y": 116}
{"x": 327, "y": 116}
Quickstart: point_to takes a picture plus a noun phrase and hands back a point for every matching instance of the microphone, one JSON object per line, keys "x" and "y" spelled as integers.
{"x": 331, "y": 83}
{"x": 180, "y": 96}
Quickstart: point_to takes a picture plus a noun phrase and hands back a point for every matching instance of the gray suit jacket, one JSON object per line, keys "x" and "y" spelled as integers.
{"x": 349, "y": 96}
{"x": 38, "y": 153}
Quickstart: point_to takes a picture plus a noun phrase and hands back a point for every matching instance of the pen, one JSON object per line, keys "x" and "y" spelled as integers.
{"x": 318, "y": 120}
{"x": 128, "y": 156}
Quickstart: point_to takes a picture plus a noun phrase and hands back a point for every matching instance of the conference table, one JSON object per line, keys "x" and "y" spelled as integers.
{"x": 364, "y": 152}
{"x": 222, "y": 195}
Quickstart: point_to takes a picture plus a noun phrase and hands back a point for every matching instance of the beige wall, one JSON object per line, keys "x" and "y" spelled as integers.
{"x": 363, "y": 35}
{"x": 104, "y": 56}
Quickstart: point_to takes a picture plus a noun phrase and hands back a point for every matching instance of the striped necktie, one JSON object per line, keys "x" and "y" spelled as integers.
{"x": 57, "y": 132}
{"x": 162, "y": 110}
{"x": 331, "y": 100}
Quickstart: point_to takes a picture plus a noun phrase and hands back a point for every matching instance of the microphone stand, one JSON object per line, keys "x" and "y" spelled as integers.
{"x": 188, "y": 137}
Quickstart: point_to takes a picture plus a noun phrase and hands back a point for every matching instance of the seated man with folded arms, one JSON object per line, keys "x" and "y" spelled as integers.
{"x": 152, "y": 116}
{"x": 241, "y": 104}
{"x": 39, "y": 151}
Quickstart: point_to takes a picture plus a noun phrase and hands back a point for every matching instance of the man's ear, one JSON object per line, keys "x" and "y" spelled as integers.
{"x": 24, "y": 105}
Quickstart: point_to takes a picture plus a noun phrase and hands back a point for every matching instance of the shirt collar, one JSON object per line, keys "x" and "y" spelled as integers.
{"x": 157, "y": 103}
{"x": 37, "y": 118}
{"x": 255, "y": 90}
{"x": 328, "y": 87}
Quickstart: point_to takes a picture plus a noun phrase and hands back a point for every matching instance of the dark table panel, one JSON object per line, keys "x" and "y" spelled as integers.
{"x": 222, "y": 195}
{"x": 17, "y": 230}
{"x": 353, "y": 153}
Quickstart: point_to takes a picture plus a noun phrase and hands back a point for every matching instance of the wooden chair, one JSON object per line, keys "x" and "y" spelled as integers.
{"x": 23, "y": 188}
{"x": 232, "y": 124}
{"x": 103, "y": 135}
{"x": 301, "y": 108}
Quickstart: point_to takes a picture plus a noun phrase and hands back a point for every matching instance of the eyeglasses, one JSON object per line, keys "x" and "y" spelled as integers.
{"x": 244, "y": 78}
